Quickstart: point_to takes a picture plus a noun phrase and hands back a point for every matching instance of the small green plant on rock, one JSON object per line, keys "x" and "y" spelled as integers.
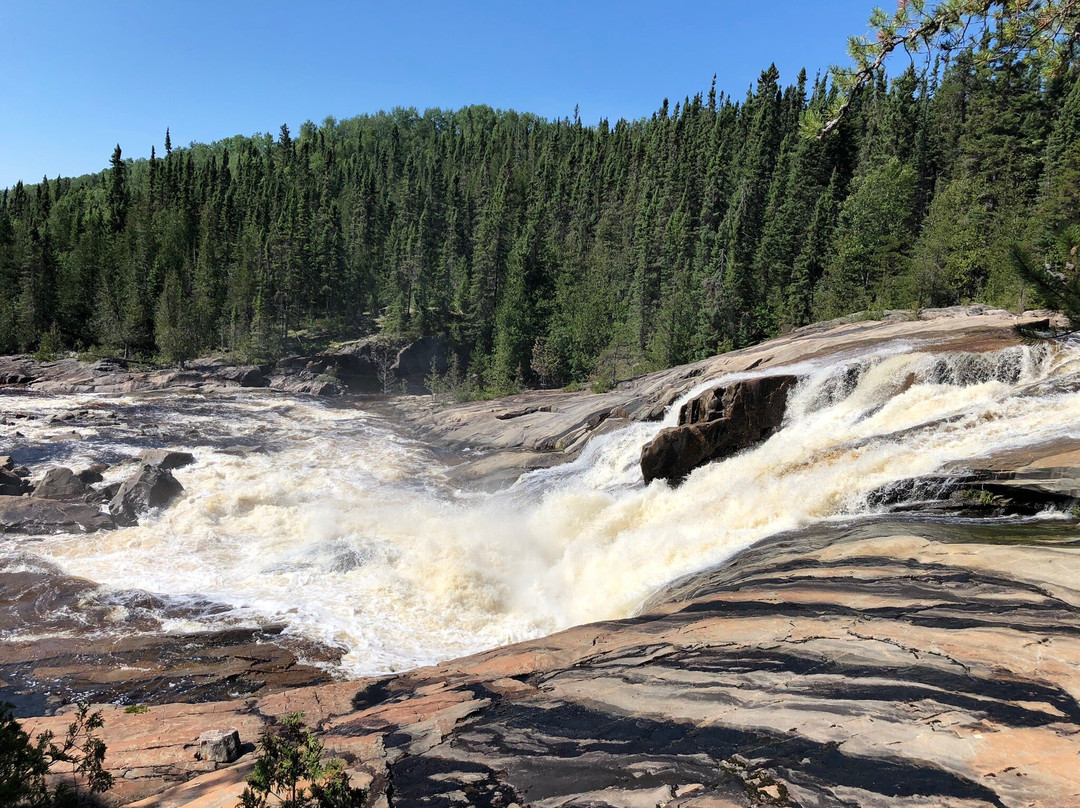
{"x": 978, "y": 496}
{"x": 290, "y": 772}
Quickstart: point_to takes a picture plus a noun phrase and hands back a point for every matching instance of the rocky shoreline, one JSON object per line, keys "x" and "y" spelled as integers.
{"x": 924, "y": 657}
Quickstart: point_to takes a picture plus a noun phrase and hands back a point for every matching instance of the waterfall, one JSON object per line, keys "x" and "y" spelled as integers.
{"x": 348, "y": 533}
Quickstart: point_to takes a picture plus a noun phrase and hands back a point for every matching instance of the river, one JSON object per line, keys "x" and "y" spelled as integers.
{"x": 349, "y": 532}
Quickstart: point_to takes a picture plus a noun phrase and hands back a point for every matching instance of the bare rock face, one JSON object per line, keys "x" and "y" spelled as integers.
{"x": 243, "y": 375}
{"x": 36, "y": 516}
{"x": 219, "y": 745}
{"x": 149, "y": 487}
{"x": 60, "y": 483}
{"x": 166, "y": 458}
{"x": 717, "y": 424}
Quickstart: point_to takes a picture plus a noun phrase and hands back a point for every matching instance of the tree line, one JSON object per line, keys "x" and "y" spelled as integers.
{"x": 547, "y": 251}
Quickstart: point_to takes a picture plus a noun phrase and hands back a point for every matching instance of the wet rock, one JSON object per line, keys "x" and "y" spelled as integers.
{"x": 149, "y": 487}
{"x": 219, "y": 745}
{"x": 38, "y": 516}
{"x": 60, "y": 483}
{"x": 243, "y": 449}
{"x": 11, "y": 484}
{"x": 166, "y": 459}
{"x": 105, "y": 493}
{"x": 67, "y": 415}
{"x": 93, "y": 473}
{"x": 717, "y": 424}
{"x": 138, "y": 663}
{"x": 85, "y": 414}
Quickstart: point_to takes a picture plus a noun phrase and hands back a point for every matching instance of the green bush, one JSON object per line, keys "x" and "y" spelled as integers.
{"x": 49, "y": 346}
{"x": 25, "y": 764}
{"x": 291, "y": 758}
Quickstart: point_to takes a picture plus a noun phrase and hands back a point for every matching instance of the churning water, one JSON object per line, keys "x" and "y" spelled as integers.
{"x": 350, "y": 534}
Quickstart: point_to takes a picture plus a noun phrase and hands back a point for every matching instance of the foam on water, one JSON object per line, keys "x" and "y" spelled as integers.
{"x": 348, "y": 533}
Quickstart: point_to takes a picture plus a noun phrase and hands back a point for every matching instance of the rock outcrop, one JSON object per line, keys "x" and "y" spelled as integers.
{"x": 892, "y": 664}
{"x": 306, "y": 382}
{"x": 37, "y": 516}
{"x": 717, "y": 424}
{"x": 68, "y": 376}
{"x": 149, "y": 487}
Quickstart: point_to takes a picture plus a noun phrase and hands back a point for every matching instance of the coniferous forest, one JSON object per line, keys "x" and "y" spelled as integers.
{"x": 546, "y": 251}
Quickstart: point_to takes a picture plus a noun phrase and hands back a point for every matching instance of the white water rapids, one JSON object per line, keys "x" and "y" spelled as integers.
{"x": 349, "y": 533}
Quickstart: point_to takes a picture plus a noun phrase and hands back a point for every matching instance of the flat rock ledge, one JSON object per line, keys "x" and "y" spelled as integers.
{"x": 878, "y": 663}
{"x": 37, "y": 516}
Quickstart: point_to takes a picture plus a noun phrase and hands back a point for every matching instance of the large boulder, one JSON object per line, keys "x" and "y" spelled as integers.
{"x": 717, "y": 424}
{"x": 149, "y": 487}
{"x": 37, "y": 516}
{"x": 60, "y": 483}
{"x": 219, "y": 745}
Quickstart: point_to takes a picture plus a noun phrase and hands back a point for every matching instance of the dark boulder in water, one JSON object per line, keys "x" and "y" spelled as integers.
{"x": 60, "y": 483}
{"x": 166, "y": 459}
{"x": 93, "y": 473}
{"x": 717, "y": 424}
{"x": 149, "y": 487}
{"x": 11, "y": 484}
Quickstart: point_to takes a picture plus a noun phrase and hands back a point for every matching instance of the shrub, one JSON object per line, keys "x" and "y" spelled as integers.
{"x": 25, "y": 764}
{"x": 290, "y": 770}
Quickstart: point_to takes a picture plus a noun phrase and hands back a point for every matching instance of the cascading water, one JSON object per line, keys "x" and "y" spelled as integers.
{"x": 349, "y": 534}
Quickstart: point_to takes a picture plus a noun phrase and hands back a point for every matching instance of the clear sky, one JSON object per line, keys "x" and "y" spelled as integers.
{"x": 78, "y": 77}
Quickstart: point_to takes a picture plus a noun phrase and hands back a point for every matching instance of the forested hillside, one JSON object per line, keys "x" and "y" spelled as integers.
{"x": 548, "y": 251}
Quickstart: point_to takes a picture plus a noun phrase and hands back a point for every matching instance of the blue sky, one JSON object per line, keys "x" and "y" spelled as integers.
{"x": 78, "y": 77}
